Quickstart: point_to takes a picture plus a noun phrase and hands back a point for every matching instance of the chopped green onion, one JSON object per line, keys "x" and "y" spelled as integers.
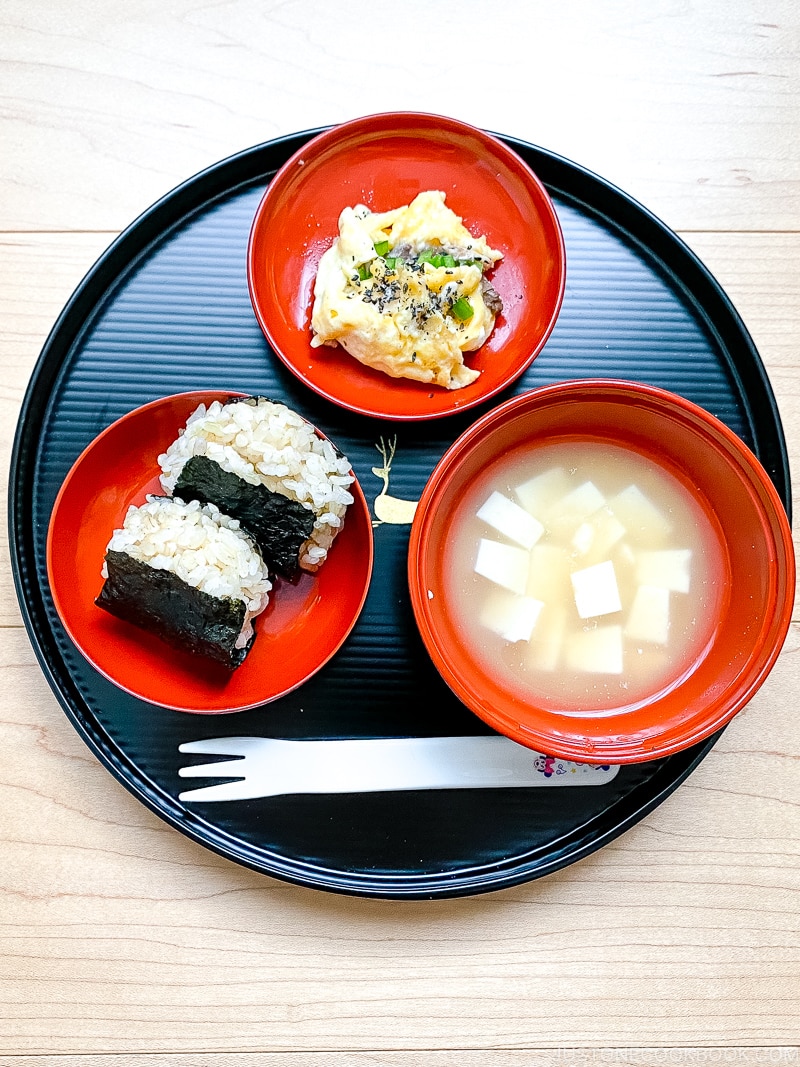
{"x": 437, "y": 259}
{"x": 381, "y": 247}
{"x": 364, "y": 272}
{"x": 462, "y": 309}
{"x": 391, "y": 262}
{"x": 444, "y": 259}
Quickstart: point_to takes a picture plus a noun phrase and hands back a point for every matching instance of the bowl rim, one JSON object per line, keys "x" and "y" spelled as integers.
{"x": 359, "y": 398}
{"x": 658, "y": 744}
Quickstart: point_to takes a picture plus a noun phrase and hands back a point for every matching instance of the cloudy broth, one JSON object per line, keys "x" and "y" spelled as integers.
{"x": 586, "y": 576}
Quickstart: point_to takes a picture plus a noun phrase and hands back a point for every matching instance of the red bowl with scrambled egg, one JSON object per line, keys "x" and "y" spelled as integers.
{"x": 383, "y": 162}
{"x": 602, "y": 570}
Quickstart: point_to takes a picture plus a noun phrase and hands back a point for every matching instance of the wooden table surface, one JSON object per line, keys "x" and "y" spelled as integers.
{"x": 122, "y": 942}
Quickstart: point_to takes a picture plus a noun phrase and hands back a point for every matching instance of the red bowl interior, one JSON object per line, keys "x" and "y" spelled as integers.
{"x": 754, "y": 540}
{"x": 383, "y": 161}
{"x": 304, "y": 624}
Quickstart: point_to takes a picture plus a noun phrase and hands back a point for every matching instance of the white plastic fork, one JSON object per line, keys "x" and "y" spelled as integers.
{"x": 272, "y": 767}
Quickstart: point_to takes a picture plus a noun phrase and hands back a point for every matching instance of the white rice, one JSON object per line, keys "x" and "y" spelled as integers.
{"x": 200, "y": 545}
{"x": 269, "y": 444}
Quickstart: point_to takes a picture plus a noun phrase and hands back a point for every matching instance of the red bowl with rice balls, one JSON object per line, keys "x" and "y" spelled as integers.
{"x": 308, "y": 615}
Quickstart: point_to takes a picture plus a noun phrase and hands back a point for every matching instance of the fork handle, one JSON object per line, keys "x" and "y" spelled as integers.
{"x": 419, "y": 763}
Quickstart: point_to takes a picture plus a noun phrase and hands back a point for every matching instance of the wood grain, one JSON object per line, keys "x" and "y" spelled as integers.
{"x": 124, "y": 943}
{"x": 542, "y": 1057}
{"x": 691, "y": 108}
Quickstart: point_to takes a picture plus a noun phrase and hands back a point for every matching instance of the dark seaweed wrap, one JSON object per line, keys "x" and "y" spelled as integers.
{"x": 278, "y": 525}
{"x": 184, "y": 617}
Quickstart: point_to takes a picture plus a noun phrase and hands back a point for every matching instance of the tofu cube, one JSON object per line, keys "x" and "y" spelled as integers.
{"x": 597, "y": 535}
{"x": 545, "y": 648}
{"x": 668, "y": 568}
{"x": 538, "y": 493}
{"x": 596, "y": 591}
{"x": 624, "y": 560}
{"x": 505, "y": 565}
{"x": 596, "y": 651}
{"x": 583, "y": 538}
{"x": 625, "y": 557}
{"x": 648, "y": 619}
{"x": 548, "y": 575}
{"x": 511, "y": 520}
{"x": 641, "y": 518}
{"x": 510, "y": 616}
{"x": 565, "y": 515}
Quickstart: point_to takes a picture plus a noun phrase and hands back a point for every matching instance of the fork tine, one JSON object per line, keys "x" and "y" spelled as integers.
{"x": 241, "y": 790}
{"x": 217, "y": 746}
{"x": 233, "y": 768}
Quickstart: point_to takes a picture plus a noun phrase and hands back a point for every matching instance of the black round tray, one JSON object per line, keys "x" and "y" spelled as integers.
{"x": 166, "y": 310}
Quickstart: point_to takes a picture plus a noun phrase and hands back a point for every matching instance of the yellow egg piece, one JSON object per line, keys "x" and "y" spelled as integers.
{"x": 404, "y": 291}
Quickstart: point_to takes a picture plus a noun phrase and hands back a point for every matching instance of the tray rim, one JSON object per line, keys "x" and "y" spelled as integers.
{"x": 76, "y": 317}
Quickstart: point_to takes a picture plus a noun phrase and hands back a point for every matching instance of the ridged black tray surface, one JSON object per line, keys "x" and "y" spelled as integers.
{"x": 166, "y": 310}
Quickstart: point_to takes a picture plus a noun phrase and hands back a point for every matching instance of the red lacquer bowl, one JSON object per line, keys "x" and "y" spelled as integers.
{"x": 751, "y": 538}
{"x": 383, "y": 161}
{"x": 305, "y": 623}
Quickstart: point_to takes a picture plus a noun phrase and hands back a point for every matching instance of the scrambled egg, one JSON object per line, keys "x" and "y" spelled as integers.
{"x": 404, "y": 292}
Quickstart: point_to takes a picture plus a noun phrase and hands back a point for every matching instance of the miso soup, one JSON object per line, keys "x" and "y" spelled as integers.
{"x": 587, "y": 577}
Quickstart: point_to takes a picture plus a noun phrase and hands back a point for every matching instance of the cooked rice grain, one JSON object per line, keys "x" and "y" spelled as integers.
{"x": 264, "y": 442}
{"x": 197, "y": 543}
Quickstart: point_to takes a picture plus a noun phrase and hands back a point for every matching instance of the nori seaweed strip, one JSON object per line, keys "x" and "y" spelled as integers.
{"x": 278, "y": 525}
{"x": 184, "y": 617}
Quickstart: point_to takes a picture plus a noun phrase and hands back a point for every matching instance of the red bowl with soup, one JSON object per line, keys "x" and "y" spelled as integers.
{"x": 602, "y": 570}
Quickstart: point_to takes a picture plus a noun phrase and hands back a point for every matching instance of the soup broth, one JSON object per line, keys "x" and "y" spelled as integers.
{"x": 586, "y": 576}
